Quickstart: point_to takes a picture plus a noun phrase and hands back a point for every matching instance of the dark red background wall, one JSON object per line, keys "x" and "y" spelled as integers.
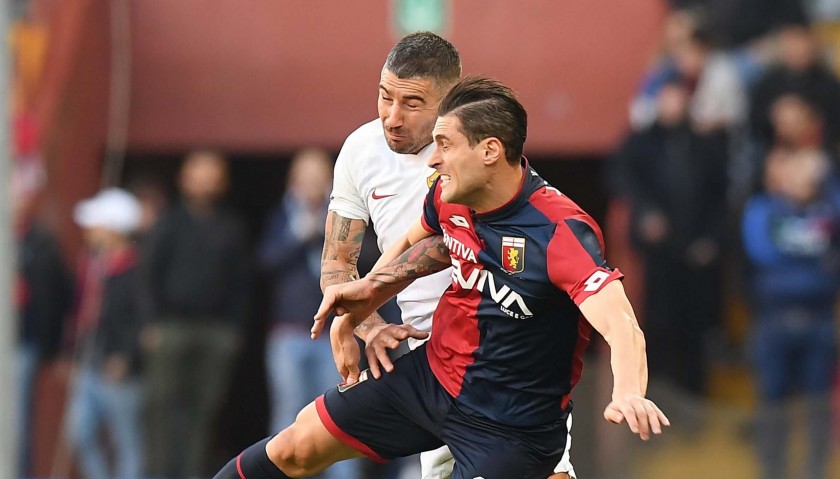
{"x": 299, "y": 72}
{"x": 270, "y": 76}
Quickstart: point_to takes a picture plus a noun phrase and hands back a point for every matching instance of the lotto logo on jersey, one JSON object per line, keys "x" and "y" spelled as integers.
{"x": 513, "y": 254}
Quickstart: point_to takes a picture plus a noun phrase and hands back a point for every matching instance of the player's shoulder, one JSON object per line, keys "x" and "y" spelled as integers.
{"x": 367, "y": 136}
{"x": 565, "y": 214}
{"x": 363, "y": 146}
{"x": 554, "y": 204}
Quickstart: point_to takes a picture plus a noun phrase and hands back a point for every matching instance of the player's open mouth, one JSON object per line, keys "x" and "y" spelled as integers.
{"x": 445, "y": 179}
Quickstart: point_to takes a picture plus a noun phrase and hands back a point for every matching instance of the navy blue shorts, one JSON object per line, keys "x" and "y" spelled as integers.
{"x": 408, "y": 411}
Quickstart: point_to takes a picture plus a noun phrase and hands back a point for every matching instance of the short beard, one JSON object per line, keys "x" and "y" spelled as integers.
{"x": 408, "y": 148}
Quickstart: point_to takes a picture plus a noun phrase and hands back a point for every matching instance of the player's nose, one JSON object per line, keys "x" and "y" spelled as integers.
{"x": 393, "y": 118}
{"x": 434, "y": 160}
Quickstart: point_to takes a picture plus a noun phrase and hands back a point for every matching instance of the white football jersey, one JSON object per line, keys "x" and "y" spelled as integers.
{"x": 373, "y": 183}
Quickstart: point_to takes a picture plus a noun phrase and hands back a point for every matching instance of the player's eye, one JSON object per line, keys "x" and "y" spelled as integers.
{"x": 386, "y": 99}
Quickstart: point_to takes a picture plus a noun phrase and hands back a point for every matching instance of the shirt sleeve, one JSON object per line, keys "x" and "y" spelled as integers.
{"x": 431, "y": 209}
{"x": 576, "y": 261}
{"x": 756, "y": 230}
{"x": 345, "y": 198}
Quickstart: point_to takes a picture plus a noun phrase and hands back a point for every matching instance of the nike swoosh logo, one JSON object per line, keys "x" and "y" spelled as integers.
{"x": 379, "y": 197}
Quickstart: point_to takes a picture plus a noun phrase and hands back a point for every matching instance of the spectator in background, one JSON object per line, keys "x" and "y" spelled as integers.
{"x": 797, "y": 124}
{"x": 107, "y": 388}
{"x": 675, "y": 181}
{"x": 717, "y": 98}
{"x": 799, "y": 71}
{"x": 678, "y": 27}
{"x": 153, "y": 201}
{"x": 743, "y": 21}
{"x": 197, "y": 286}
{"x": 42, "y": 298}
{"x": 790, "y": 237}
{"x": 299, "y": 369}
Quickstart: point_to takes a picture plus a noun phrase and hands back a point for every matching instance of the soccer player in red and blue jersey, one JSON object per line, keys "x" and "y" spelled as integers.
{"x": 494, "y": 382}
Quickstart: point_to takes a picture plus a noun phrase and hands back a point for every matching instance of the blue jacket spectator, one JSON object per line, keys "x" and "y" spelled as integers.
{"x": 790, "y": 233}
{"x": 793, "y": 249}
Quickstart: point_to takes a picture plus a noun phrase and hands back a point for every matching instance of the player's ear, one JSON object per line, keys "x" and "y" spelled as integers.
{"x": 492, "y": 150}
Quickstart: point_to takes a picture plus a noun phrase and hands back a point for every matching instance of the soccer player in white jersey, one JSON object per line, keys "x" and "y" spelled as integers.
{"x": 381, "y": 176}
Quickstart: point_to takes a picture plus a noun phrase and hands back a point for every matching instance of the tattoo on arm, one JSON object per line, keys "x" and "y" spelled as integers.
{"x": 368, "y": 324}
{"x": 342, "y": 245}
{"x": 343, "y": 228}
{"x": 427, "y": 256}
{"x": 337, "y": 277}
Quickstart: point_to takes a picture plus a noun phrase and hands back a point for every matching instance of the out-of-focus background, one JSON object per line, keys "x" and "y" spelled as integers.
{"x": 160, "y": 150}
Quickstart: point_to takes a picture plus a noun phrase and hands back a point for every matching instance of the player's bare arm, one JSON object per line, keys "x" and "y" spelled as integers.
{"x": 342, "y": 245}
{"x": 415, "y": 233}
{"x": 354, "y": 301}
{"x": 339, "y": 261}
{"x": 610, "y": 313}
{"x": 389, "y": 336}
{"x": 427, "y": 256}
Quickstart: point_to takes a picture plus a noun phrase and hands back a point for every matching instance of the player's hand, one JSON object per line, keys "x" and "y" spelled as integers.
{"x": 330, "y": 302}
{"x": 642, "y": 415}
{"x": 345, "y": 349}
{"x": 384, "y": 337}
{"x": 355, "y": 299}
{"x": 318, "y": 326}
{"x": 338, "y": 355}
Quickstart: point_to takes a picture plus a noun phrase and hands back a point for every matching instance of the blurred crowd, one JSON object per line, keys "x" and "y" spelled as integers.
{"x": 730, "y": 178}
{"x": 729, "y": 174}
{"x": 155, "y": 316}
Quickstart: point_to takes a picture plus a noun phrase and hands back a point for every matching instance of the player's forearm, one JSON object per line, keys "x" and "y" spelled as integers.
{"x": 427, "y": 256}
{"x": 424, "y": 258}
{"x": 392, "y": 253}
{"x": 342, "y": 246}
{"x": 337, "y": 272}
{"x": 628, "y": 358}
{"x": 413, "y": 235}
{"x": 611, "y": 314}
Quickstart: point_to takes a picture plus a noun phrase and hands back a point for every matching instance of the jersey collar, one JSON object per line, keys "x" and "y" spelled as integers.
{"x": 530, "y": 182}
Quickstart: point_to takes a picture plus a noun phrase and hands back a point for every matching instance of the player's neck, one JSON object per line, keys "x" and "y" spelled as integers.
{"x": 502, "y": 186}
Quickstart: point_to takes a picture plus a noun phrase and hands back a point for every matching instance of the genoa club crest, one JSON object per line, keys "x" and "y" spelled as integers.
{"x": 513, "y": 254}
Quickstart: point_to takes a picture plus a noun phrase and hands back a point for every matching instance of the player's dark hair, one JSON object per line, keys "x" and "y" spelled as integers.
{"x": 425, "y": 55}
{"x": 487, "y": 108}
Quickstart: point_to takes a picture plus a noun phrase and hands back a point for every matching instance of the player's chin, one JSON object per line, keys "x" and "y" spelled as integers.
{"x": 406, "y": 146}
{"x": 448, "y": 194}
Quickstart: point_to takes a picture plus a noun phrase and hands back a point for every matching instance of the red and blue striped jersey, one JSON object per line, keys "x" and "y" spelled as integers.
{"x": 507, "y": 336}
